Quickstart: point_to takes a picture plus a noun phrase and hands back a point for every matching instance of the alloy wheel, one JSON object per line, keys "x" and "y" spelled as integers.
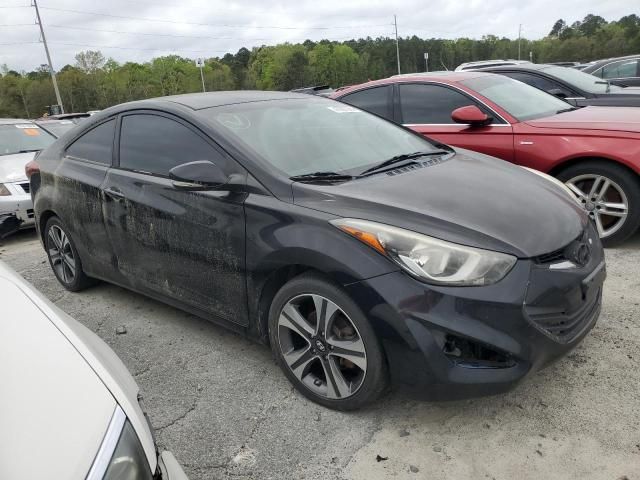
{"x": 322, "y": 346}
{"x": 61, "y": 254}
{"x": 603, "y": 199}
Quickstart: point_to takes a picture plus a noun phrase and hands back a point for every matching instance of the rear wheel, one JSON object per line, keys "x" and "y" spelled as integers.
{"x": 325, "y": 345}
{"x": 610, "y": 194}
{"x": 63, "y": 257}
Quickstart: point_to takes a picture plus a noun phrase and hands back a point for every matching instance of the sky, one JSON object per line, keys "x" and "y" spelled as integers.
{"x": 139, "y": 30}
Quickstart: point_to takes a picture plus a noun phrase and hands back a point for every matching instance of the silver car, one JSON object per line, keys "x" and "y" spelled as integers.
{"x": 19, "y": 142}
{"x": 69, "y": 408}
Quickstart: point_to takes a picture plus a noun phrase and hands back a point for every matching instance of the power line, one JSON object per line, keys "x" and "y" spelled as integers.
{"x": 18, "y": 43}
{"x": 135, "y": 48}
{"x": 152, "y": 34}
{"x": 225, "y": 25}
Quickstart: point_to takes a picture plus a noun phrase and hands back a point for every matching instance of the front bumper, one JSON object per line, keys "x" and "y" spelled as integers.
{"x": 18, "y": 204}
{"x": 458, "y": 342}
{"x": 170, "y": 469}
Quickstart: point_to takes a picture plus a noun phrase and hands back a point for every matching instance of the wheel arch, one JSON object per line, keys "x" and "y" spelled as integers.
{"x": 269, "y": 287}
{"x": 42, "y": 221}
{"x": 570, "y": 162}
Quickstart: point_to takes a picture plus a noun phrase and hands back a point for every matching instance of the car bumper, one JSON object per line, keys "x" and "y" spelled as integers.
{"x": 458, "y": 342}
{"x": 170, "y": 468}
{"x": 20, "y": 206}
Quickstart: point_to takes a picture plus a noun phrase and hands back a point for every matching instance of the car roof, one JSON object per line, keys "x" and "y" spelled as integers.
{"x": 446, "y": 76}
{"x": 522, "y": 66}
{"x": 13, "y": 121}
{"x": 198, "y": 101}
{"x": 614, "y": 59}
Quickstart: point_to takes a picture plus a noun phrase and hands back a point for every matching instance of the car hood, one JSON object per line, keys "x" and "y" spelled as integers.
{"x": 470, "y": 199}
{"x": 621, "y": 119}
{"x": 12, "y": 167}
{"x": 61, "y": 384}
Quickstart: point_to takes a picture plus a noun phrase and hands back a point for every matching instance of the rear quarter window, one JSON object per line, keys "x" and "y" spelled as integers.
{"x": 96, "y": 145}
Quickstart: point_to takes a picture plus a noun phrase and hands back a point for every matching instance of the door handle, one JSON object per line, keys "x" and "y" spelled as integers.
{"x": 114, "y": 193}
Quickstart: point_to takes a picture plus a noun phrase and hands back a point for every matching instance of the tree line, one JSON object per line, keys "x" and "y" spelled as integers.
{"x": 95, "y": 82}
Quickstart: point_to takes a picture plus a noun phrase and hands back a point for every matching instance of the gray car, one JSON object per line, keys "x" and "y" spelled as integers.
{"x": 69, "y": 408}
{"x": 19, "y": 142}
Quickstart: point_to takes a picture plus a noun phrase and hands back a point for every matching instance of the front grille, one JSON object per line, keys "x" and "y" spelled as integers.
{"x": 562, "y": 326}
{"x": 556, "y": 256}
{"x": 25, "y": 187}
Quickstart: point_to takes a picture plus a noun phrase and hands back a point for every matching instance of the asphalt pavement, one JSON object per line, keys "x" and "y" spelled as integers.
{"x": 222, "y": 406}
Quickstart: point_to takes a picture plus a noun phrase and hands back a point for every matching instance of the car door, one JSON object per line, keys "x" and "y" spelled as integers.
{"x": 78, "y": 197}
{"x": 171, "y": 240}
{"x": 427, "y": 107}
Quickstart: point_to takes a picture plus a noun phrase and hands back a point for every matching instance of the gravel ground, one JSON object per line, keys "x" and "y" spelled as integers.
{"x": 222, "y": 406}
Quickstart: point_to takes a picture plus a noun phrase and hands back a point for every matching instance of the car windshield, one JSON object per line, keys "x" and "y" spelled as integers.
{"x": 303, "y": 136}
{"x": 23, "y": 137}
{"x": 57, "y": 128}
{"x": 522, "y": 101}
{"x": 584, "y": 81}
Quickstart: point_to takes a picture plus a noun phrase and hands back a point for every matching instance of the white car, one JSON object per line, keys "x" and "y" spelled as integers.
{"x": 488, "y": 63}
{"x": 19, "y": 142}
{"x": 69, "y": 408}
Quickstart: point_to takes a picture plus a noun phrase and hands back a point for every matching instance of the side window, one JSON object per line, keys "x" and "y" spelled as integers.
{"x": 96, "y": 145}
{"x": 537, "y": 81}
{"x": 621, "y": 69}
{"x": 155, "y": 144}
{"x": 374, "y": 100}
{"x": 422, "y": 103}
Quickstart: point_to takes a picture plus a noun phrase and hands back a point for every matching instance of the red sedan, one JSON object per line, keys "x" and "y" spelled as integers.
{"x": 594, "y": 150}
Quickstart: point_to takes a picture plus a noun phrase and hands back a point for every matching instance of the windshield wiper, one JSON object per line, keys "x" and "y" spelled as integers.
{"x": 29, "y": 151}
{"x": 401, "y": 158}
{"x": 570, "y": 109}
{"x": 321, "y": 176}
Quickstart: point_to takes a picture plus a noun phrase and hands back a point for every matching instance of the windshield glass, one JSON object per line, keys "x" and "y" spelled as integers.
{"x": 57, "y": 128}
{"x": 584, "y": 81}
{"x": 302, "y": 136}
{"x": 522, "y": 101}
{"x": 21, "y": 137}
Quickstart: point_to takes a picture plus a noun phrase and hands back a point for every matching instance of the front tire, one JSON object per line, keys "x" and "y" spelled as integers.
{"x": 610, "y": 194}
{"x": 325, "y": 345}
{"x": 63, "y": 257}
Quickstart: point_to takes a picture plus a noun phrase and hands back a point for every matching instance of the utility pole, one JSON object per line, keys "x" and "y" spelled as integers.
{"x": 519, "y": 38}
{"x": 426, "y": 61}
{"x": 46, "y": 49}
{"x": 395, "y": 24}
{"x": 531, "y": 57}
{"x": 200, "y": 65}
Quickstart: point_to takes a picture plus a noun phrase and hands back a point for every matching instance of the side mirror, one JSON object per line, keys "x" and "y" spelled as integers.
{"x": 557, "y": 92}
{"x": 471, "y": 115}
{"x": 202, "y": 173}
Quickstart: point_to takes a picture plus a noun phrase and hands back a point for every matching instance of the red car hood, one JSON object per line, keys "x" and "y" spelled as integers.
{"x": 621, "y": 119}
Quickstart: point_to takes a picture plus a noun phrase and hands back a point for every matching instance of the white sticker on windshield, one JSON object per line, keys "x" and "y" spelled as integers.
{"x": 344, "y": 109}
{"x": 22, "y": 125}
{"x": 66, "y": 122}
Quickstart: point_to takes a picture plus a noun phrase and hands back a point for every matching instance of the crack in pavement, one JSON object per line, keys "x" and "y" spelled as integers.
{"x": 178, "y": 418}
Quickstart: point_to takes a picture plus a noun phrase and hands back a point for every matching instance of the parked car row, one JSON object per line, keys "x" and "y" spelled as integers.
{"x": 370, "y": 242}
{"x": 620, "y": 71}
{"x": 350, "y": 257}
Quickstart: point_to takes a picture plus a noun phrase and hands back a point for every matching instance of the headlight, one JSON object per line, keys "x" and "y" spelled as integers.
{"x": 430, "y": 259}
{"x": 121, "y": 455}
{"x": 554, "y": 180}
{"x": 4, "y": 191}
